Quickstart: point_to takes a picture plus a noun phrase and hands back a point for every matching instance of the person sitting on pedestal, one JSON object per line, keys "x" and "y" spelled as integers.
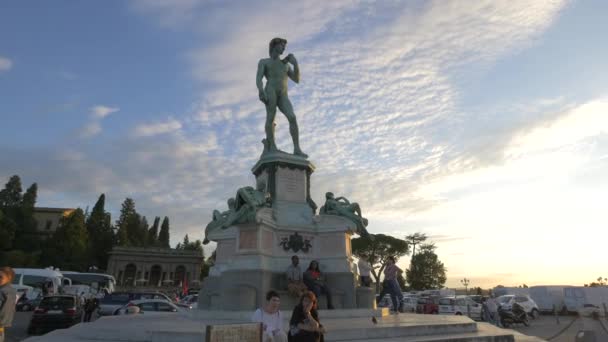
{"x": 295, "y": 284}
{"x": 271, "y": 318}
{"x": 365, "y": 270}
{"x": 315, "y": 282}
{"x": 304, "y": 325}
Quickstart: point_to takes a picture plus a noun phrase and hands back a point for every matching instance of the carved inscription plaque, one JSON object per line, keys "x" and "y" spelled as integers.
{"x": 248, "y": 239}
{"x": 247, "y": 332}
{"x": 291, "y": 185}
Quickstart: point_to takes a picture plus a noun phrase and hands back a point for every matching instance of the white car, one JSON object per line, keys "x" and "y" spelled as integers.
{"x": 506, "y": 302}
{"x": 190, "y": 301}
{"x": 150, "y": 306}
{"x": 460, "y": 305}
{"x": 409, "y": 303}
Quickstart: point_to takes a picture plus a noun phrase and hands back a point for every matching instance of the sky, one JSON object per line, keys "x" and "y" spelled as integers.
{"x": 484, "y": 126}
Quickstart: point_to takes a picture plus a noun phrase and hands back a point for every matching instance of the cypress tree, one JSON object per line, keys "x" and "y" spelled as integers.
{"x": 126, "y": 218}
{"x": 100, "y": 232}
{"x": 163, "y": 236}
{"x": 153, "y": 232}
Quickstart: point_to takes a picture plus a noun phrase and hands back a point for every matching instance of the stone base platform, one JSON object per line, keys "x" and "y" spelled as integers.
{"x": 342, "y": 325}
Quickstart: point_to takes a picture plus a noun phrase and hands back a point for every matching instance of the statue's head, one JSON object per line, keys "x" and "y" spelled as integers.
{"x": 274, "y": 42}
{"x": 231, "y": 203}
{"x": 329, "y": 195}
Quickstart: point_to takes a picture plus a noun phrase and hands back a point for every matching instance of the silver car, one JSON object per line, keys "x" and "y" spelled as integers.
{"x": 149, "y": 306}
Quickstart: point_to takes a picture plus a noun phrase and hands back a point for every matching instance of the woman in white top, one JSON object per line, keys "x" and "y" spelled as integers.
{"x": 271, "y": 318}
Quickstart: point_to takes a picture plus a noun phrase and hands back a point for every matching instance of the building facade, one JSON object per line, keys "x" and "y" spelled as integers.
{"x": 154, "y": 267}
{"x": 48, "y": 219}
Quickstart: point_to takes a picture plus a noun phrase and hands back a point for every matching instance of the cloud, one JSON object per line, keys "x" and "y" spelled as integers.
{"x": 5, "y": 64}
{"x": 93, "y": 127}
{"x": 147, "y": 130}
{"x": 100, "y": 112}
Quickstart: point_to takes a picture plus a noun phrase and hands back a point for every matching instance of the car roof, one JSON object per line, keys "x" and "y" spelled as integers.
{"x": 140, "y": 301}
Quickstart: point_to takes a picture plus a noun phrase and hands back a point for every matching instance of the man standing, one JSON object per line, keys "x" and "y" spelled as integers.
{"x": 295, "y": 283}
{"x": 274, "y": 94}
{"x": 8, "y": 297}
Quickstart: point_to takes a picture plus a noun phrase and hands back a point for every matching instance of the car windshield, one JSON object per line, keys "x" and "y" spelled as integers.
{"x": 504, "y": 300}
{"x": 57, "y": 302}
{"x": 115, "y": 298}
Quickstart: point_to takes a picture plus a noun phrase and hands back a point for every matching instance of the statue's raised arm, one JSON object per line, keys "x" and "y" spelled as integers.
{"x": 274, "y": 93}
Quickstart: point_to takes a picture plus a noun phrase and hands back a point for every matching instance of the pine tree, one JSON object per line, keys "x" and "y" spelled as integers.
{"x": 101, "y": 234}
{"x": 163, "y": 236}
{"x": 126, "y": 218}
{"x": 153, "y": 232}
{"x": 426, "y": 271}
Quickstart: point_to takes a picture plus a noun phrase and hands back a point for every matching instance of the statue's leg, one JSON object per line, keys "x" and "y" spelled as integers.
{"x": 286, "y": 108}
{"x": 271, "y": 112}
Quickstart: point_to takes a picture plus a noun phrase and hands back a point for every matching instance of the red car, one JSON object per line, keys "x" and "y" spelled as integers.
{"x": 428, "y": 305}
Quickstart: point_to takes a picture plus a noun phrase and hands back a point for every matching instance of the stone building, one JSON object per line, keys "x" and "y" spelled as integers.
{"x": 153, "y": 267}
{"x": 48, "y": 219}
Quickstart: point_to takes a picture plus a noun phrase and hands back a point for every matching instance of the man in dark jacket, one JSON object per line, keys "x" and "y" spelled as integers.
{"x": 8, "y": 297}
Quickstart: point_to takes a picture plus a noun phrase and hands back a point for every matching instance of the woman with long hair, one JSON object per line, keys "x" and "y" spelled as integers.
{"x": 313, "y": 278}
{"x": 304, "y": 324}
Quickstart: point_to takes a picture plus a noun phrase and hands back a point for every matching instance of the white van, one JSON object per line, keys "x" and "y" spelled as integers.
{"x": 577, "y": 297}
{"x": 548, "y": 297}
{"x": 39, "y": 278}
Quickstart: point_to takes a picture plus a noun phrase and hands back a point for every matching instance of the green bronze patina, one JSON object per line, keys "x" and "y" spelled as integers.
{"x": 241, "y": 209}
{"x": 342, "y": 207}
{"x": 274, "y": 94}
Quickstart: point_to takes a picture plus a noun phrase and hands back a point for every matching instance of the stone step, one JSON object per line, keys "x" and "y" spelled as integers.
{"x": 245, "y": 316}
{"x": 391, "y": 328}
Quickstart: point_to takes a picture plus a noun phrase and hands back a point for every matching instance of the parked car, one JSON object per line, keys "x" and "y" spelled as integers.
{"x": 189, "y": 302}
{"x": 149, "y": 306}
{"x": 55, "y": 312}
{"x": 506, "y": 302}
{"x": 428, "y": 305}
{"x": 28, "y": 304}
{"x": 409, "y": 303}
{"x": 110, "y": 302}
{"x": 460, "y": 305}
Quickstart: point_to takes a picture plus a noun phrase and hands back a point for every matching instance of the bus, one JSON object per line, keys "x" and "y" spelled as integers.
{"x": 96, "y": 281}
{"x": 45, "y": 280}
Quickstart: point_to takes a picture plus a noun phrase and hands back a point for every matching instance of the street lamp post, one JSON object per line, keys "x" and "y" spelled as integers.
{"x": 465, "y": 282}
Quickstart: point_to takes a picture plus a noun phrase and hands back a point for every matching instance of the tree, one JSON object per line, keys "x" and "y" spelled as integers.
{"x": 377, "y": 248}
{"x": 163, "y": 236}
{"x": 26, "y": 234}
{"x": 153, "y": 232}
{"x": 68, "y": 246}
{"x": 7, "y": 232}
{"x": 414, "y": 240}
{"x": 426, "y": 271}
{"x": 125, "y": 222}
{"x": 101, "y": 234}
{"x": 10, "y": 196}
{"x": 190, "y": 246}
{"x": 142, "y": 232}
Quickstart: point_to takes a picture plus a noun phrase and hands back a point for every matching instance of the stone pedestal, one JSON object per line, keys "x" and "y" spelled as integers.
{"x": 252, "y": 258}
